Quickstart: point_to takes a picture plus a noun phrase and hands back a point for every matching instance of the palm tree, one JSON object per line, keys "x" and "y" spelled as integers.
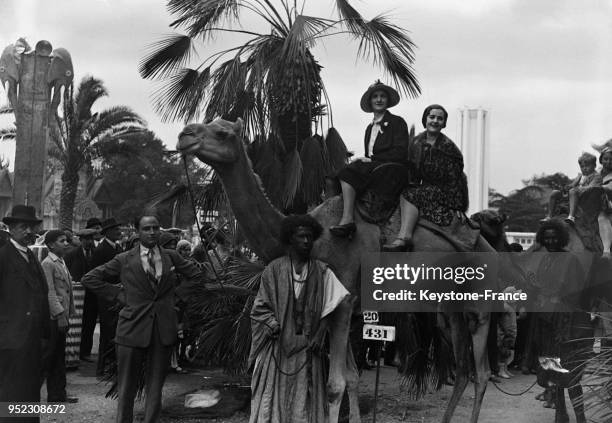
{"x": 272, "y": 80}
{"x": 77, "y": 132}
{"x": 9, "y": 133}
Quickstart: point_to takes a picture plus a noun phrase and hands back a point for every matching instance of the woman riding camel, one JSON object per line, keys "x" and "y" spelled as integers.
{"x": 386, "y": 141}
{"x": 438, "y": 188}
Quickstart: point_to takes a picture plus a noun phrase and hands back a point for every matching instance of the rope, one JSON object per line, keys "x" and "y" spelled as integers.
{"x": 514, "y": 394}
{"x": 195, "y": 213}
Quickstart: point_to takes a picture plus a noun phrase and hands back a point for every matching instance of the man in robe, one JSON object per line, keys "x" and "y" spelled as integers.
{"x": 289, "y": 323}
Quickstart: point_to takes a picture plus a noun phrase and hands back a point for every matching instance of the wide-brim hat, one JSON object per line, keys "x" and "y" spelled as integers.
{"x": 393, "y": 95}
{"x": 109, "y": 223}
{"x": 21, "y": 213}
{"x": 93, "y": 221}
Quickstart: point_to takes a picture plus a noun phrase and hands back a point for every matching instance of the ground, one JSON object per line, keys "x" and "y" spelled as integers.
{"x": 498, "y": 407}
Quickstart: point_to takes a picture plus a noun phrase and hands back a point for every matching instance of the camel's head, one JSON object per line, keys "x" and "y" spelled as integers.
{"x": 214, "y": 143}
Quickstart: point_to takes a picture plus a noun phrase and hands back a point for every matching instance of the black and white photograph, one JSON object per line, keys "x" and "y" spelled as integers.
{"x": 306, "y": 211}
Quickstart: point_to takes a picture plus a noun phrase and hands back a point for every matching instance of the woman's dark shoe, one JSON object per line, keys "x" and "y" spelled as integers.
{"x": 399, "y": 245}
{"x": 343, "y": 231}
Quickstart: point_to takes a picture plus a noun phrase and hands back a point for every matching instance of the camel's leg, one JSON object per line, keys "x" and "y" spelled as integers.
{"x": 461, "y": 338}
{"x": 338, "y": 342}
{"x": 482, "y": 369}
{"x": 575, "y": 394}
{"x": 352, "y": 386}
{"x": 561, "y": 415}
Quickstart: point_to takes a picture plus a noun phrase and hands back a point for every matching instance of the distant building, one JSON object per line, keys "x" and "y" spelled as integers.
{"x": 93, "y": 199}
{"x": 473, "y": 138}
{"x": 526, "y": 239}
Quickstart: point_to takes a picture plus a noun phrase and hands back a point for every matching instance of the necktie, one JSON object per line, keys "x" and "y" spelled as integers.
{"x": 151, "y": 265}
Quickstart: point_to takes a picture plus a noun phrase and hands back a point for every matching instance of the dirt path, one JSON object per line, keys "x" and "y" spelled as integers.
{"x": 392, "y": 405}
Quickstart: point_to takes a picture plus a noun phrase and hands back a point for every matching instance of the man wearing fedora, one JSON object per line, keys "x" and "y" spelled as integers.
{"x": 24, "y": 311}
{"x": 96, "y": 224}
{"x": 79, "y": 262}
{"x": 148, "y": 325}
{"x": 107, "y": 249}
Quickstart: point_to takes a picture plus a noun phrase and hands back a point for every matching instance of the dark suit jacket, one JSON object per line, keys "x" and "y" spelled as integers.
{"x": 392, "y": 144}
{"x": 102, "y": 254}
{"x": 77, "y": 263}
{"x": 144, "y": 302}
{"x": 24, "y": 307}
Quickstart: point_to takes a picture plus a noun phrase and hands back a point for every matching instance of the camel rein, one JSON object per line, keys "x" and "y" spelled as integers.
{"x": 514, "y": 394}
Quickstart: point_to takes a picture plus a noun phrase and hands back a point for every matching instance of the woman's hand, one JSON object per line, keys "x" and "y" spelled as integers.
{"x": 363, "y": 159}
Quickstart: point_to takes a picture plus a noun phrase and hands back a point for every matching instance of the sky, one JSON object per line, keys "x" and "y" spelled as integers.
{"x": 541, "y": 68}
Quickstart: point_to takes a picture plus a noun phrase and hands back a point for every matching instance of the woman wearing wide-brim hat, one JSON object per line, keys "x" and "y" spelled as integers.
{"x": 385, "y": 141}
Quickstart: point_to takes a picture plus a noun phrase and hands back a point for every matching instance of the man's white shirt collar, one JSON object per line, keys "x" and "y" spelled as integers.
{"x": 19, "y": 246}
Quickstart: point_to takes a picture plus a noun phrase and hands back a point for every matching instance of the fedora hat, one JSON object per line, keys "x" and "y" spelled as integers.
{"x": 93, "y": 221}
{"x": 393, "y": 95}
{"x": 109, "y": 224}
{"x": 83, "y": 233}
{"x": 21, "y": 213}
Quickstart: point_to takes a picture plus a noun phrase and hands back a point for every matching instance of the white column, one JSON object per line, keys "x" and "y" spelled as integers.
{"x": 473, "y": 138}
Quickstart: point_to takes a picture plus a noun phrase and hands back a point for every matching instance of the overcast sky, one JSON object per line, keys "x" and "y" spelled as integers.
{"x": 540, "y": 67}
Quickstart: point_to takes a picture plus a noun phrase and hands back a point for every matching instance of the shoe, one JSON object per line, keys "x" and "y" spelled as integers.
{"x": 87, "y": 359}
{"x": 494, "y": 379}
{"x": 343, "y": 231}
{"x": 570, "y": 219}
{"x": 503, "y": 373}
{"x": 398, "y": 245}
{"x": 541, "y": 396}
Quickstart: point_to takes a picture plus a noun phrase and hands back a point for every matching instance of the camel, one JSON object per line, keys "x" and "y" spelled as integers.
{"x": 220, "y": 145}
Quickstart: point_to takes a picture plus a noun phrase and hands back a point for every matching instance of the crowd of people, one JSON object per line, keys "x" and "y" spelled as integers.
{"x": 135, "y": 282}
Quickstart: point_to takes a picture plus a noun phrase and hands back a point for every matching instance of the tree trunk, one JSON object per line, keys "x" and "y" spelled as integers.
{"x": 70, "y": 184}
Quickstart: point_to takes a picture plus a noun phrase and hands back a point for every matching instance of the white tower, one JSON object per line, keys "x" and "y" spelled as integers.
{"x": 473, "y": 135}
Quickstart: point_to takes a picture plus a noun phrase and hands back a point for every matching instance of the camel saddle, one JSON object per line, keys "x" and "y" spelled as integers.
{"x": 378, "y": 205}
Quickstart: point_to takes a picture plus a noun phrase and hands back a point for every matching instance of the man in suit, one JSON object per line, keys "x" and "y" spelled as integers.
{"x": 103, "y": 253}
{"x": 79, "y": 262}
{"x": 96, "y": 224}
{"x": 147, "y": 325}
{"x": 61, "y": 307}
{"x": 24, "y": 311}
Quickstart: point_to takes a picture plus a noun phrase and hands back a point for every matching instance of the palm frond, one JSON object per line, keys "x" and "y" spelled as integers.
{"x": 88, "y": 92}
{"x": 197, "y": 16}
{"x": 336, "y": 151}
{"x": 314, "y": 169}
{"x": 385, "y": 44}
{"x": 269, "y": 167}
{"x": 8, "y": 134}
{"x": 226, "y": 81}
{"x": 6, "y": 109}
{"x": 212, "y": 196}
{"x": 181, "y": 97}
{"x": 293, "y": 170}
{"x": 302, "y": 35}
{"x": 168, "y": 196}
{"x": 112, "y": 119}
{"x": 166, "y": 56}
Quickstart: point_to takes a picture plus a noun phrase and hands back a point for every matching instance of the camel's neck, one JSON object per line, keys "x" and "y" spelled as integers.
{"x": 258, "y": 219}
